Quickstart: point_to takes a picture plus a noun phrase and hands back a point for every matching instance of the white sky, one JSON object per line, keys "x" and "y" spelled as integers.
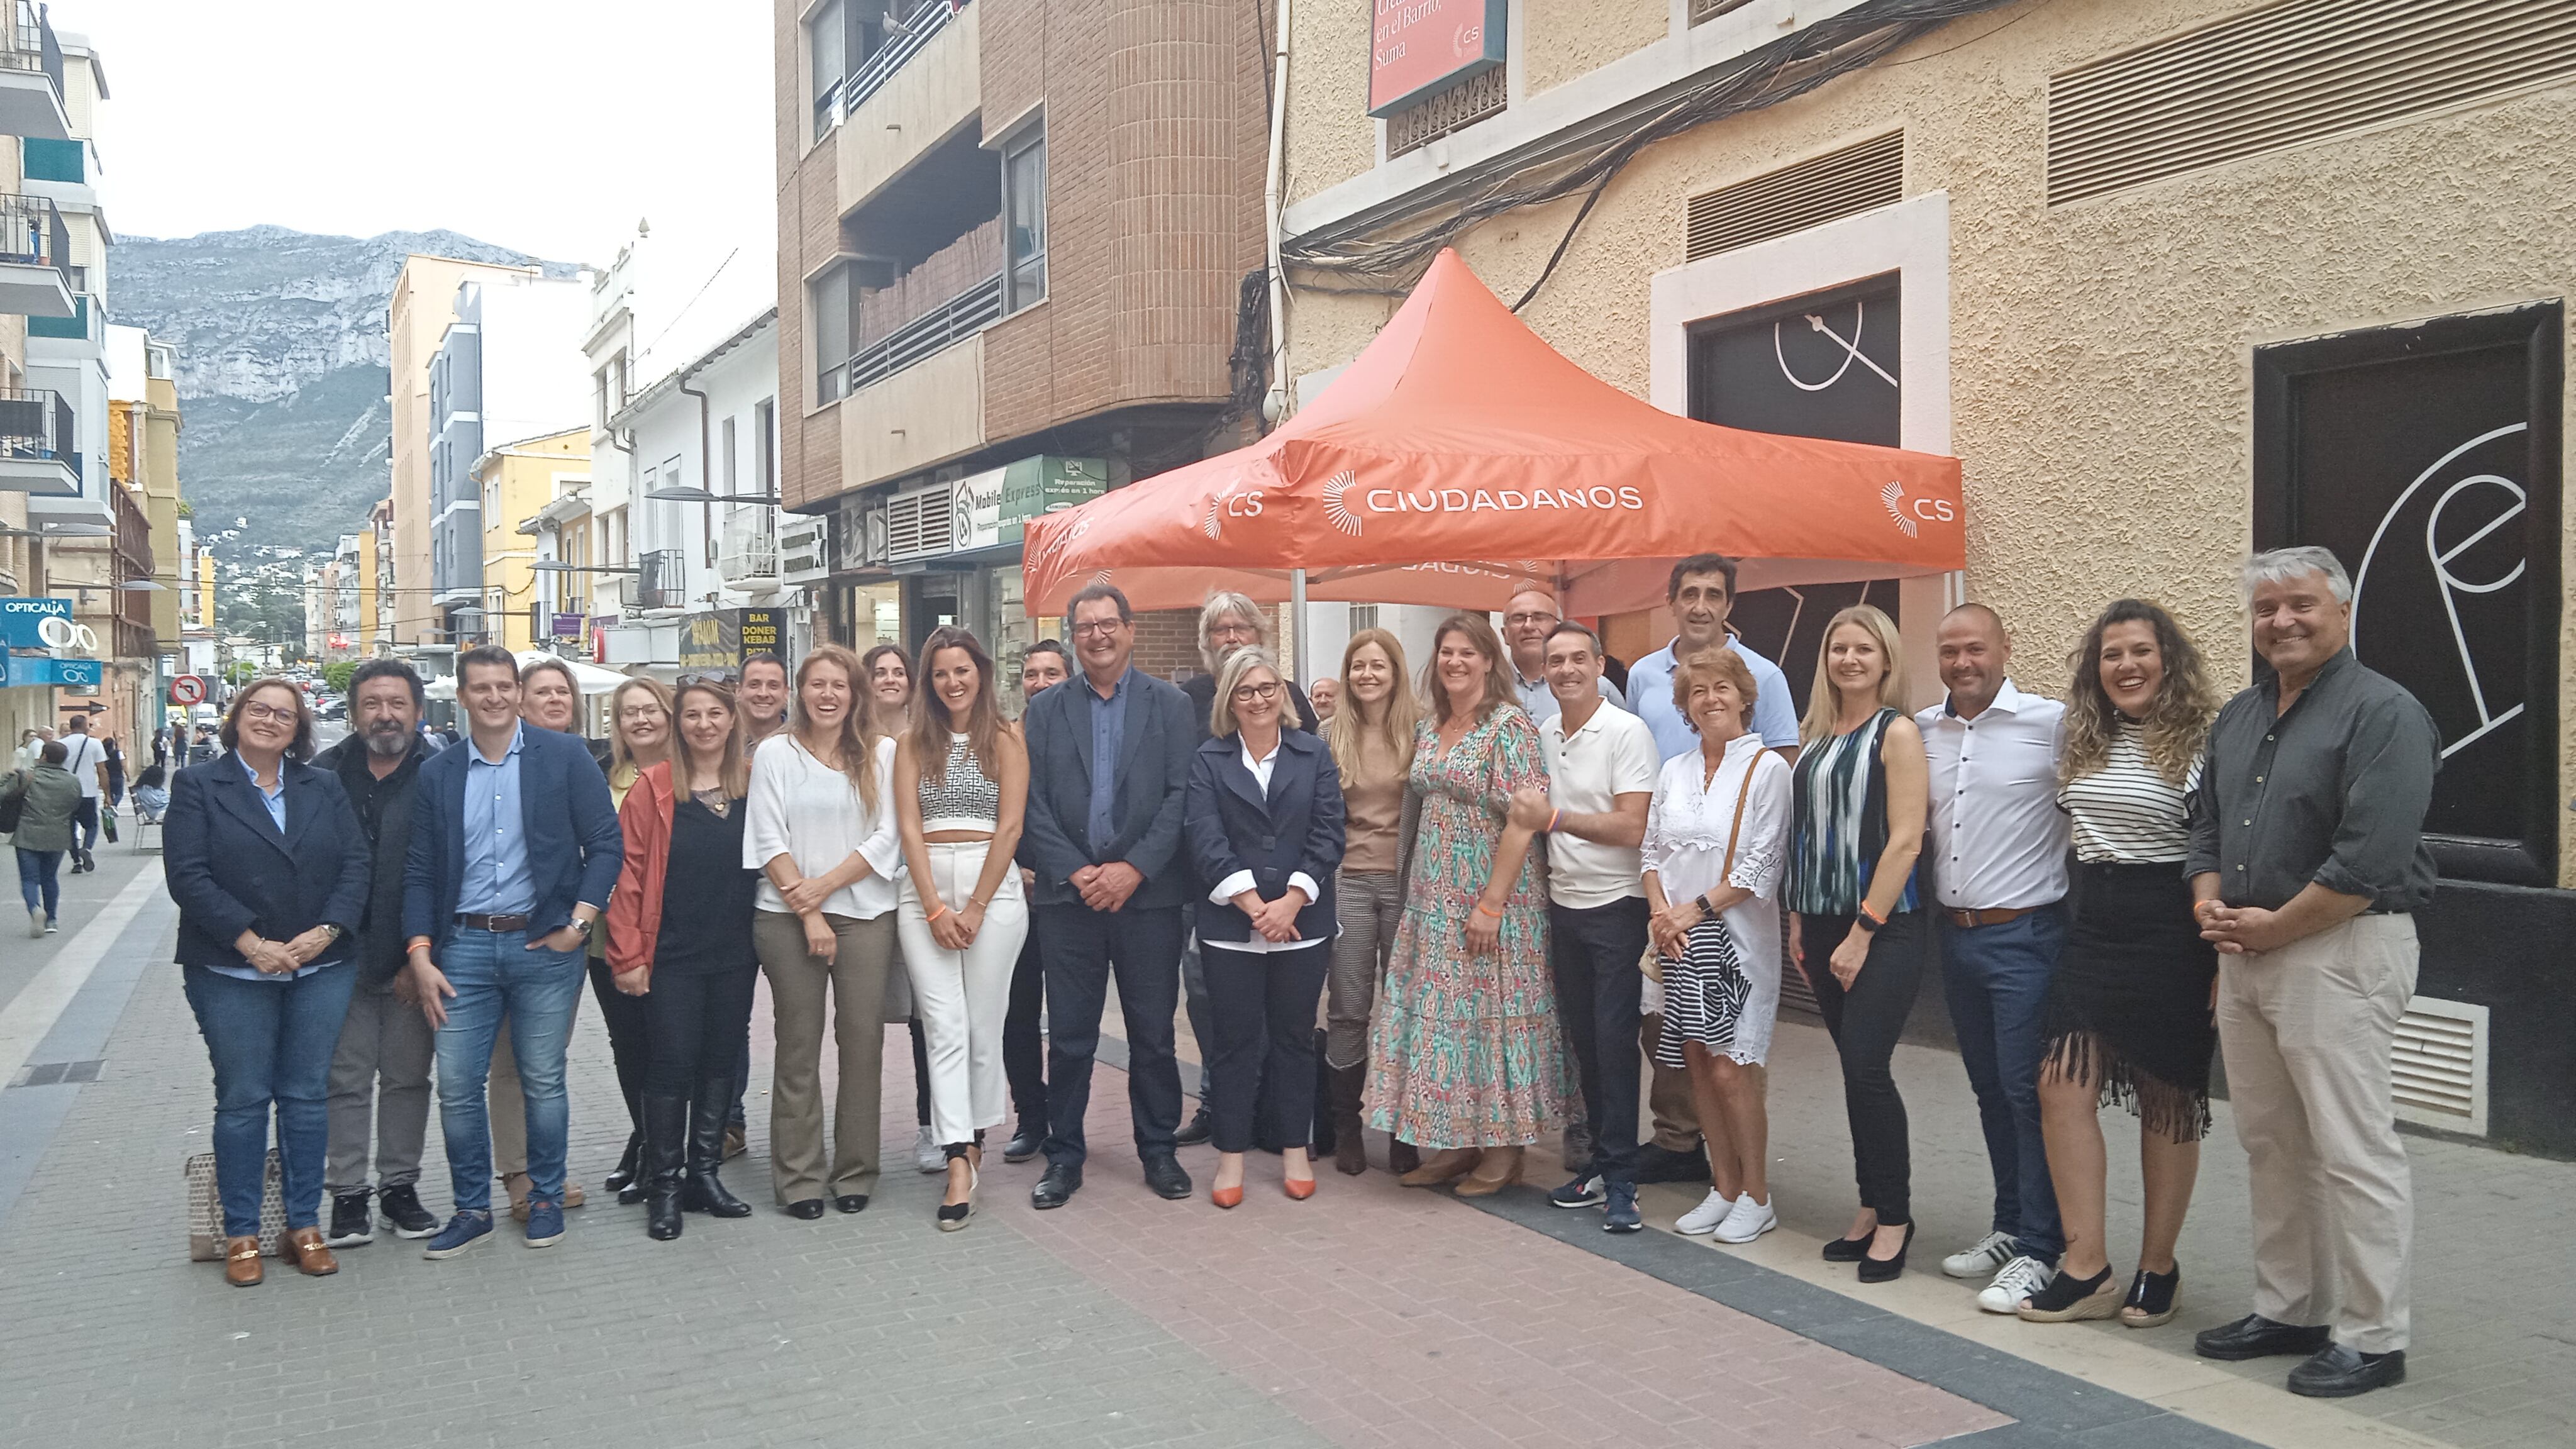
{"x": 549, "y": 126}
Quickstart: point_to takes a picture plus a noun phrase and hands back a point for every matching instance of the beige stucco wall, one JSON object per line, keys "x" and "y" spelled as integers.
{"x": 936, "y": 92}
{"x": 926, "y": 414}
{"x": 2100, "y": 361}
{"x": 1562, "y": 39}
{"x": 1331, "y": 136}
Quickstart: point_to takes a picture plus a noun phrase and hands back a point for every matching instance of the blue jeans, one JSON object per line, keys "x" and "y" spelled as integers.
{"x": 494, "y": 975}
{"x": 271, "y": 1042}
{"x": 1996, "y": 979}
{"x": 40, "y": 879}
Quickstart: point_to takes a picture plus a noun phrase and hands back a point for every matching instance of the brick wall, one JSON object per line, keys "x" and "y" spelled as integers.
{"x": 809, "y": 230}
{"x": 1167, "y": 643}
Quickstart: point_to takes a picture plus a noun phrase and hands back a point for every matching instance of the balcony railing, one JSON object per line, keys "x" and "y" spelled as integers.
{"x": 941, "y": 328}
{"x": 750, "y": 548}
{"x": 839, "y": 102}
{"x": 661, "y": 579}
{"x": 31, "y": 44}
{"x": 86, "y": 324}
{"x": 35, "y": 423}
{"x": 32, "y": 234}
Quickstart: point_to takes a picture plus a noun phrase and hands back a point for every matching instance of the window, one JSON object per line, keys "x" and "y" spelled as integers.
{"x": 732, "y": 458}
{"x": 836, "y": 330}
{"x": 840, "y": 37}
{"x": 764, "y": 445}
{"x": 1024, "y": 220}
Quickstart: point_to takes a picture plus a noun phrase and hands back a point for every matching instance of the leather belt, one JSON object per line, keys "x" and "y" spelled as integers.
{"x": 498, "y": 925}
{"x": 1970, "y": 920}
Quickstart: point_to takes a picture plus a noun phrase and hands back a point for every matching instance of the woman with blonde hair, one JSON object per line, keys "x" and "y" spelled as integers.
{"x": 2128, "y": 1009}
{"x": 1466, "y": 1056}
{"x": 821, "y": 829}
{"x": 1371, "y": 738}
{"x": 1861, "y": 795}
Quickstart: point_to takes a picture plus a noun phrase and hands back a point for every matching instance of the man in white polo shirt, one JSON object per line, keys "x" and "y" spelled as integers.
{"x": 86, "y": 758}
{"x": 1601, "y": 767}
{"x": 1999, "y": 846}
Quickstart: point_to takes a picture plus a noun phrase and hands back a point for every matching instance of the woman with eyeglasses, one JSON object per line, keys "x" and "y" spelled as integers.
{"x": 680, "y": 942}
{"x": 889, "y": 677}
{"x": 961, "y": 786}
{"x": 821, "y": 829}
{"x": 270, "y": 871}
{"x": 1264, "y": 822}
{"x": 640, "y": 719}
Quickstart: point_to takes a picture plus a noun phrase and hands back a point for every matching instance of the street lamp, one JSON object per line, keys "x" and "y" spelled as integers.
{"x": 685, "y": 494}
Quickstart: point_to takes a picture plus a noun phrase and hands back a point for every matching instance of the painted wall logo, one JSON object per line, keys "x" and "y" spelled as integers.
{"x": 1905, "y": 511}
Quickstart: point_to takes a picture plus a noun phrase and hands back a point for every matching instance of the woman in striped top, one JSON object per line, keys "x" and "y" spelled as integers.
{"x": 2129, "y": 1008}
{"x": 1860, "y": 797}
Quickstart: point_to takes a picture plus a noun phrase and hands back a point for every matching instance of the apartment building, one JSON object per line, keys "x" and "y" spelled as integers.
{"x": 1020, "y": 247}
{"x": 2171, "y": 277}
{"x": 518, "y": 480}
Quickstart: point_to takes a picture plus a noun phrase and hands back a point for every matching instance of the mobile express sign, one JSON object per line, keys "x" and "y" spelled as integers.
{"x": 1418, "y": 48}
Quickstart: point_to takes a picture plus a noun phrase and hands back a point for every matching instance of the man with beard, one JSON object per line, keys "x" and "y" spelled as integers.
{"x": 381, "y": 1067}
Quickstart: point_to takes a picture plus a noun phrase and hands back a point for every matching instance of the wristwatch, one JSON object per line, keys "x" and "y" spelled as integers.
{"x": 336, "y": 932}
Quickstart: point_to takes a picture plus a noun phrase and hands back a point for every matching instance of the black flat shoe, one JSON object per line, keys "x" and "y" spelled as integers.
{"x": 1887, "y": 1270}
{"x": 850, "y": 1202}
{"x": 2338, "y": 1372}
{"x": 1200, "y": 1129}
{"x": 1848, "y": 1250}
{"x": 1166, "y": 1177}
{"x": 2255, "y": 1336}
{"x": 810, "y": 1209}
{"x": 1024, "y": 1144}
{"x": 1057, "y": 1187}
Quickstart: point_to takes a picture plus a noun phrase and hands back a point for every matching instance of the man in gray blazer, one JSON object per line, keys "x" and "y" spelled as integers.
{"x": 1109, "y": 766}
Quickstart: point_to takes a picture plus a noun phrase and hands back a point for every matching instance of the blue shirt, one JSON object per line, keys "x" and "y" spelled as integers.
{"x": 1650, "y": 698}
{"x": 1108, "y": 737}
{"x": 275, "y": 799}
{"x": 496, "y": 848}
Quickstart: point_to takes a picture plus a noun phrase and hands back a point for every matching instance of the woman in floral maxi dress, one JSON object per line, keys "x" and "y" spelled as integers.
{"x": 1465, "y": 1055}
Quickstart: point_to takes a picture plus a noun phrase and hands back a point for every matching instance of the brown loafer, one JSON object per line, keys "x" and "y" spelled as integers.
{"x": 241, "y": 1262}
{"x": 312, "y": 1256}
{"x": 1445, "y": 1165}
{"x": 1499, "y": 1168}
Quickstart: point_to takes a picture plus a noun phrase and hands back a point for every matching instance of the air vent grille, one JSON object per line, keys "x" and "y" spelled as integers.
{"x": 2292, "y": 73}
{"x": 1823, "y": 188}
{"x": 2441, "y": 1065}
{"x": 917, "y": 523}
{"x": 1484, "y": 94}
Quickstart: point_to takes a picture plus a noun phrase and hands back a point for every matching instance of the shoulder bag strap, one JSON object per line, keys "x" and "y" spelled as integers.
{"x": 1742, "y": 797}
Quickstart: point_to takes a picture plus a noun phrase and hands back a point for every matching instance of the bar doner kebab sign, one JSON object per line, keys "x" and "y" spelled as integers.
{"x": 1419, "y": 48}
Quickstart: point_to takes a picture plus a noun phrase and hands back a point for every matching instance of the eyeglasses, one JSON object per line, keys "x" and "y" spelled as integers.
{"x": 258, "y": 712}
{"x": 640, "y": 711}
{"x": 1255, "y": 693}
{"x": 1098, "y": 628}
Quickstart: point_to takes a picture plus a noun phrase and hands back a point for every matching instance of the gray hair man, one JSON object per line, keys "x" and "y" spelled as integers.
{"x": 1529, "y": 616}
{"x": 2307, "y": 863}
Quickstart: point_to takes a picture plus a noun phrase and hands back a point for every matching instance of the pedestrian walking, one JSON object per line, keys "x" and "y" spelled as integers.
{"x": 86, "y": 759}
{"x": 514, "y": 847}
{"x": 379, "y": 1084}
{"x": 1372, "y": 742}
{"x": 961, "y": 787}
{"x": 1265, "y": 828}
{"x": 1109, "y": 761}
{"x": 1465, "y": 1056}
{"x": 1857, "y": 930}
{"x": 1998, "y": 873}
{"x": 680, "y": 944}
{"x": 821, "y": 828}
{"x": 2307, "y": 864}
{"x": 269, "y": 868}
{"x": 1045, "y": 666}
{"x": 1716, "y": 849}
{"x": 641, "y": 725}
{"x": 2128, "y": 1017}
{"x": 48, "y": 801}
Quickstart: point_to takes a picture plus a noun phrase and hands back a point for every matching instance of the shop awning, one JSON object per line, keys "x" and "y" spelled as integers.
{"x": 1459, "y": 453}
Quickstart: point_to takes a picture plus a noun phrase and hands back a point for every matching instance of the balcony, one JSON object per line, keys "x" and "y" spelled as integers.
{"x": 31, "y": 77}
{"x": 662, "y": 579}
{"x": 749, "y": 553}
{"x": 951, "y": 295}
{"x": 35, "y": 259}
{"x": 879, "y": 54}
{"x": 86, "y": 324}
{"x": 36, "y": 438}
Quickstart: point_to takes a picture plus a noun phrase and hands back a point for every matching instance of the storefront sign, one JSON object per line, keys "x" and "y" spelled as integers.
{"x": 567, "y": 626}
{"x": 975, "y": 511}
{"x": 22, "y": 622}
{"x": 1418, "y": 48}
{"x": 2426, "y": 456}
{"x": 716, "y": 642}
{"x": 1047, "y": 484}
{"x": 27, "y": 669}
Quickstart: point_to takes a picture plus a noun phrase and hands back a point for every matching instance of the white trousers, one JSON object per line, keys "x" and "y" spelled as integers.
{"x": 2308, "y": 1032}
{"x": 963, "y": 996}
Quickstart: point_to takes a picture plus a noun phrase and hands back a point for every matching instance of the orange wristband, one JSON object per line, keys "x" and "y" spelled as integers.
{"x": 935, "y": 915}
{"x": 1488, "y": 910}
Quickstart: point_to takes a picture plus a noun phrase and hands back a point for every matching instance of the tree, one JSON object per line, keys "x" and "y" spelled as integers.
{"x": 241, "y": 671}
{"x": 335, "y": 676}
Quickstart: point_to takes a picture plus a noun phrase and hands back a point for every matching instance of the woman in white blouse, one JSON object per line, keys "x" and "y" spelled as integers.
{"x": 821, "y": 830}
{"x": 1717, "y": 843}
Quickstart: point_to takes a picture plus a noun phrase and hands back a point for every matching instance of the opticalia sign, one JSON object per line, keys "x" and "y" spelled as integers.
{"x": 1418, "y": 48}
{"x": 22, "y": 622}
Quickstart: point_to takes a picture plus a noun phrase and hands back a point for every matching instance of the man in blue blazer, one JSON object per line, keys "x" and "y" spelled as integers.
{"x": 1109, "y": 770}
{"x": 514, "y": 846}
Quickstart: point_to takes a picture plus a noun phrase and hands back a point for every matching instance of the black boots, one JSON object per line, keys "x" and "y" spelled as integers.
{"x": 705, "y": 1192}
{"x": 628, "y": 1180}
{"x": 1350, "y": 1149}
{"x": 666, "y": 1156}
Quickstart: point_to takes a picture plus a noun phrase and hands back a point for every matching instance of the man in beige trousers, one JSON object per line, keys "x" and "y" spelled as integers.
{"x": 2307, "y": 861}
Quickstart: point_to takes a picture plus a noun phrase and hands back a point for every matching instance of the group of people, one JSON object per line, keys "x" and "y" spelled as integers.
{"x": 1512, "y": 889}
{"x": 63, "y": 786}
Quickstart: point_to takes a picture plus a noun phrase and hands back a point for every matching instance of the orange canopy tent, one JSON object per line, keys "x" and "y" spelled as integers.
{"x": 1460, "y": 454}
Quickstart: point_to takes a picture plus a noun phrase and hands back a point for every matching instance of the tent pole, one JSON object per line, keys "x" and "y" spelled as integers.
{"x": 1297, "y": 620}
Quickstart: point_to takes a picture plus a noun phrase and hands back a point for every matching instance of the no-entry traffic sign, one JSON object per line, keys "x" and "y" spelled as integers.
{"x": 188, "y": 689}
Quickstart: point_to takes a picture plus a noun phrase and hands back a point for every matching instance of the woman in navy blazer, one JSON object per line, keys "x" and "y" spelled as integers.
{"x": 1264, "y": 822}
{"x": 270, "y": 870}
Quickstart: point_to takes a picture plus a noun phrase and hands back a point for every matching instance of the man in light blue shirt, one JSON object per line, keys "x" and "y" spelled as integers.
{"x": 496, "y": 847}
{"x": 1528, "y": 617}
{"x": 1701, "y": 593}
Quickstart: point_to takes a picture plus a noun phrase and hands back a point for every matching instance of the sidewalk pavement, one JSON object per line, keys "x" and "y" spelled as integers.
{"x": 1370, "y": 1315}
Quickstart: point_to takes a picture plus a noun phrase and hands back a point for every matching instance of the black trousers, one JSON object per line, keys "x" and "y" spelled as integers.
{"x": 1082, "y": 949}
{"x": 85, "y": 824}
{"x": 627, "y": 1039}
{"x": 1023, "y": 1047}
{"x": 1262, "y": 1072}
{"x": 693, "y": 1021}
{"x": 1599, "y": 997}
{"x": 1865, "y": 1022}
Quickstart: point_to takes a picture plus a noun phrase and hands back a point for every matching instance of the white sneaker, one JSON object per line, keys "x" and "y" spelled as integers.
{"x": 1748, "y": 1220}
{"x": 35, "y": 923}
{"x": 2019, "y": 1279}
{"x": 1703, "y": 1220}
{"x": 928, "y": 1155}
{"x": 1980, "y": 1258}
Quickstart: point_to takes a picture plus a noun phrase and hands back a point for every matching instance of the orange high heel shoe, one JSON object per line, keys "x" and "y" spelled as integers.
{"x": 1296, "y": 1189}
{"x": 1226, "y": 1197}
